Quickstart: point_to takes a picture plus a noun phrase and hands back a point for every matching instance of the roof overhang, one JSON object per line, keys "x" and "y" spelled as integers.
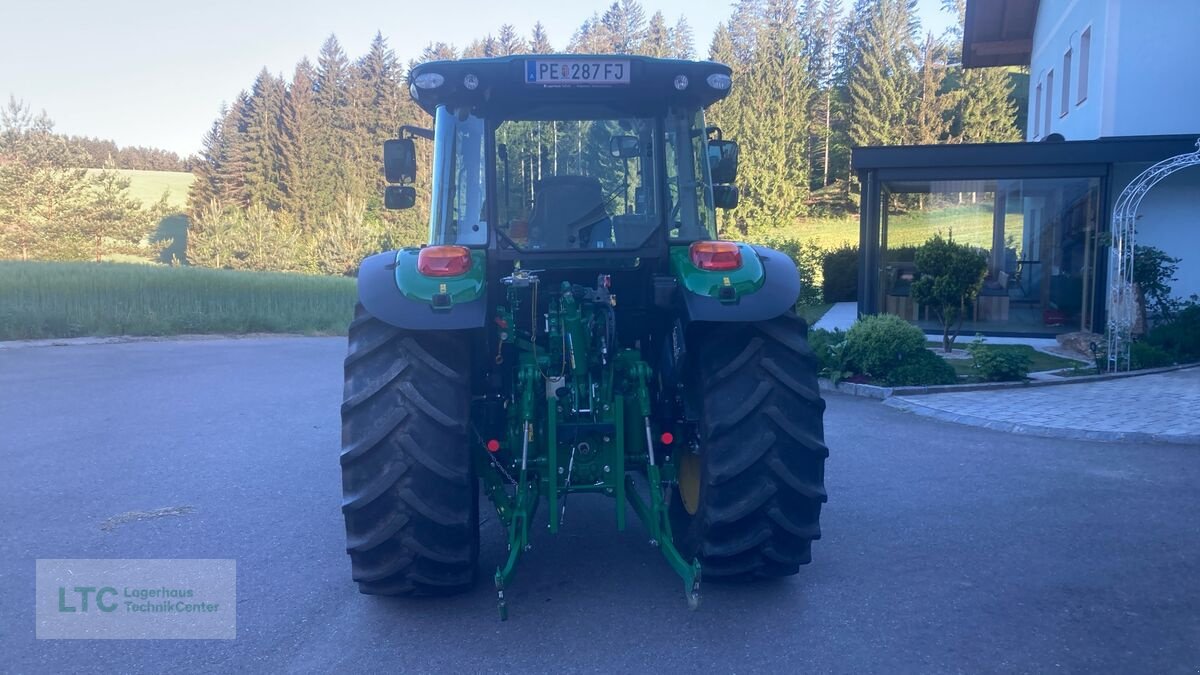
{"x": 998, "y": 32}
{"x": 1016, "y": 159}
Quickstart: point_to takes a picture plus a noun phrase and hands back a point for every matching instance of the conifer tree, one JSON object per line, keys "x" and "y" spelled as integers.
{"x": 509, "y": 42}
{"x": 883, "y": 83}
{"x": 264, "y": 144}
{"x": 683, "y": 43}
{"x": 659, "y": 42}
{"x": 301, "y": 121}
{"x": 539, "y": 41}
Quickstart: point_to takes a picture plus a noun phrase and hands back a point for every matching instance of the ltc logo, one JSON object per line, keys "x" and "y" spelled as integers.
{"x": 80, "y": 596}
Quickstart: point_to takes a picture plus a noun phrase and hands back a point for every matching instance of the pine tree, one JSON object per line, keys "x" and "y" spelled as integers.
{"x": 539, "y": 42}
{"x": 264, "y": 146}
{"x": 659, "y": 42}
{"x": 883, "y": 83}
{"x": 206, "y": 187}
{"x": 111, "y": 221}
{"x": 683, "y": 43}
{"x": 931, "y": 122}
{"x": 301, "y": 121}
{"x": 987, "y": 111}
{"x": 508, "y": 42}
{"x": 593, "y": 37}
{"x": 335, "y": 171}
{"x": 625, "y": 22}
{"x": 438, "y": 51}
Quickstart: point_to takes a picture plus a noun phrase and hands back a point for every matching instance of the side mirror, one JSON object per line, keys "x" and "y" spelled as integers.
{"x": 725, "y": 196}
{"x": 399, "y": 197}
{"x": 399, "y": 160}
{"x": 624, "y": 147}
{"x": 723, "y": 160}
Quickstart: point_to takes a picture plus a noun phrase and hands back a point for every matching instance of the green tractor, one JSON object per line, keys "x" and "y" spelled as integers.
{"x": 574, "y": 326}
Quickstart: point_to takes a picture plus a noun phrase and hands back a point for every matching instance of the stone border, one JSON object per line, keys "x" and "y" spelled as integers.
{"x": 881, "y": 393}
{"x": 923, "y": 410}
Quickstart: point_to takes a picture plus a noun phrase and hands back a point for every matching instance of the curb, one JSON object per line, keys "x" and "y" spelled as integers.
{"x": 881, "y": 393}
{"x": 917, "y": 408}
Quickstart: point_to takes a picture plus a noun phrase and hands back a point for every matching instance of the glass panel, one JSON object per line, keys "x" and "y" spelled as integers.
{"x": 689, "y": 184}
{"x": 567, "y": 184}
{"x": 1039, "y": 237}
{"x": 457, "y": 212}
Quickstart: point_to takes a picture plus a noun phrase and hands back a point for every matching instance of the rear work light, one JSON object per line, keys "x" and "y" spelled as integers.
{"x": 444, "y": 261}
{"x": 716, "y": 256}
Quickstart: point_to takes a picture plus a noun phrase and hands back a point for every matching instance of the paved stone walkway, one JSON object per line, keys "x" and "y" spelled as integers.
{"x": 1159, "y": 407}
{"x": 839, "y": 317}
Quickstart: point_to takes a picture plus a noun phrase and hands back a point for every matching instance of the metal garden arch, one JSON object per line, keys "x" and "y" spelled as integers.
{"x": 1122, "y": 302}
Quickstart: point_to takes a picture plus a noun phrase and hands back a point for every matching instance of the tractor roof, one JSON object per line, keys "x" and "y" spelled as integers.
{"x": 521, "y": 84}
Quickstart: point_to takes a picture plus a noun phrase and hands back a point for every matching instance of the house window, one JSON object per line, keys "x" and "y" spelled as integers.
{"x": 1049, "y": 100}
{"x": 1085, "y": 55}
{"x": 1065, "y": 105}
{"x": 1037, "y": 112}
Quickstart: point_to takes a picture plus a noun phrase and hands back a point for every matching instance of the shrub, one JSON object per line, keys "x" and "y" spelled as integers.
{"x": 821, "y": 340}
{"x": 906, "y": 253}
{"x": 951, "y": 276}
{"x": 832, "y": 354}
{"x": 1180, "y": 335}
{"x": 1153, "y": 272}
{"x": 923, "y": 368}
{"x": 878, "y": 344}
{"x": 1145, "y": 355}
{"x": 839, "y": 270}
{"x": 808, "y": 259}
{"x": 996, "y": 364}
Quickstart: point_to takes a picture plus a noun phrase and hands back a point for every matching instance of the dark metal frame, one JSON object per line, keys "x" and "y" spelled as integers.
{"x": 1067, "y": 159}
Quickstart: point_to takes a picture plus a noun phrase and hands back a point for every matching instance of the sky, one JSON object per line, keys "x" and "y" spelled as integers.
{"x": 155, "y": 72}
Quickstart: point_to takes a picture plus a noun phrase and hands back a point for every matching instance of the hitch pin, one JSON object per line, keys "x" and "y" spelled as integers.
{"x": 649, "y": 441}
{"x": 525, "y": 446}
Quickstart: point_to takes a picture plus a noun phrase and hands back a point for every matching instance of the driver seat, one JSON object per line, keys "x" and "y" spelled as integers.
{"x": 564, "y": 210}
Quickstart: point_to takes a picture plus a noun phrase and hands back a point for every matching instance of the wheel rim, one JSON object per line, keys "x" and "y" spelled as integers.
{"x": 689, "y": 482}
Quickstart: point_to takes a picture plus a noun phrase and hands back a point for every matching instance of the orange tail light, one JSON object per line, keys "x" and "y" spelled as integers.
{"x": 444, "y": 261}
{"x": 716, "y": 256}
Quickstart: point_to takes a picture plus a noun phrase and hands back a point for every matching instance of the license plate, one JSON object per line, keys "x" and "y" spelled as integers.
{"x": 575, "y": 72}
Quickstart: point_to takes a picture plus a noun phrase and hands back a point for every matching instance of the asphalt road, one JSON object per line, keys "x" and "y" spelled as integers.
{"x": 946, "y": 548}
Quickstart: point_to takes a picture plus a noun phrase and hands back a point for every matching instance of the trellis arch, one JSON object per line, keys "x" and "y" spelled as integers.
{"x": 1122, "y": 303}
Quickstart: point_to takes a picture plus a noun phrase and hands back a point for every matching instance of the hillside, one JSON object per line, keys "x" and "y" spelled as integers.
{"x": 148, "y": 186}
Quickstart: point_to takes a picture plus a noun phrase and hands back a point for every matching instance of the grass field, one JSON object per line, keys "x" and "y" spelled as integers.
{"x": 971, "y": 224}
{"x": 148, "y": 186}
{"x": 54, "y": 300}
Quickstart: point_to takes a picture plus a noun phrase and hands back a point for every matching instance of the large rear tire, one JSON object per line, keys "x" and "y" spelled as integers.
{"x": 410, "y": 497}
{"x": 761, "y": 463}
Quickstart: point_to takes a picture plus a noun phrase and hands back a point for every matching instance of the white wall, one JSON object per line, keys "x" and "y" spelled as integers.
{"x": 1170, "y": 220}
{"x": 1059, "y": 26}
{"x": 1143, "y": 70}
{"x": 1158, "y": 69}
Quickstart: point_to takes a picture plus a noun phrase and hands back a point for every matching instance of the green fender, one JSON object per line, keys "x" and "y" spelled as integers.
{"x": 392, "y": 290}
{"x": 767, "y": 285}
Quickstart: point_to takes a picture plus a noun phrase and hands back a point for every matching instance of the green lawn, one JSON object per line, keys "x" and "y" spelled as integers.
{"x": 52, "y": 300}
{"x": 1038, "y": 361}
{"x": 148, "y": 186}
{"x": 971, "y": 224}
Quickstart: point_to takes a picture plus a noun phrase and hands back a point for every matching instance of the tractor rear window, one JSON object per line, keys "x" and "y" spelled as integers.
{"x": 568, "y": 184}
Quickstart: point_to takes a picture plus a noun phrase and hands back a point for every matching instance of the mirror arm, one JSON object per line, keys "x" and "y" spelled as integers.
{"x": 416, "y": 132}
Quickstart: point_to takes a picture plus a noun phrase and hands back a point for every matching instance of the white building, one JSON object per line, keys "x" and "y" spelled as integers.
{"x": 1103, "y": 69}
{"x": 1114, "y": 87}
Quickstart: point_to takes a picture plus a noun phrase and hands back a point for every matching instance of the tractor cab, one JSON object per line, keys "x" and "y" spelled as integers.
{"x": 553, "y": 154}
